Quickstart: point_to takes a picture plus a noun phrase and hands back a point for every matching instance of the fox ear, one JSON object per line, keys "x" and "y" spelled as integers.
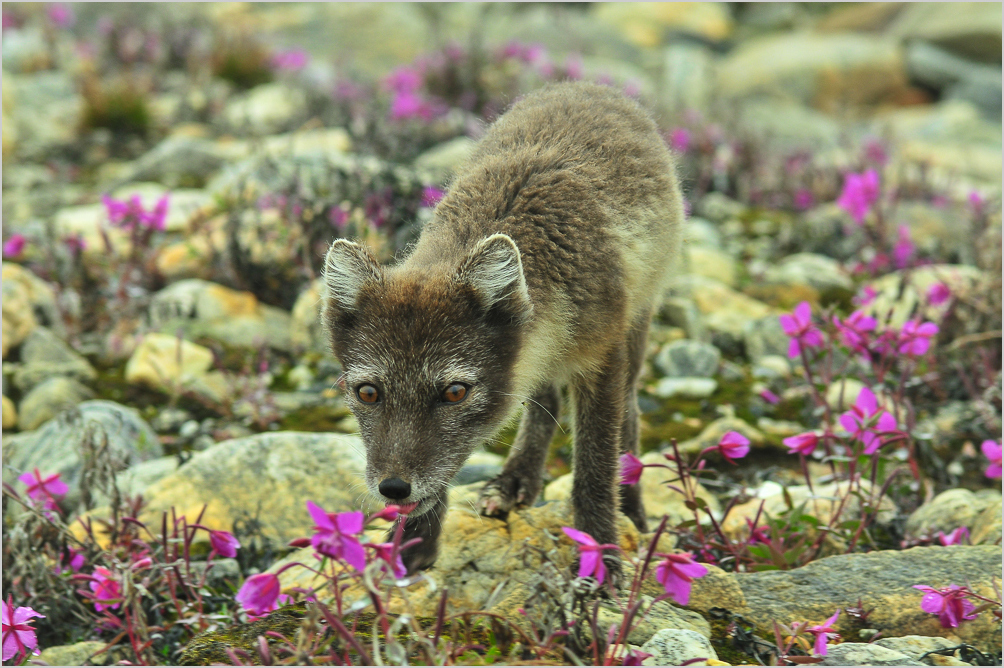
{"x": 347, "y": 268}
{"x": 495, "y": 270}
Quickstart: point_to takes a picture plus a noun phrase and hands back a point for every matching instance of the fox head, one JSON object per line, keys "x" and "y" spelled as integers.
{"x": 427, "y": 354}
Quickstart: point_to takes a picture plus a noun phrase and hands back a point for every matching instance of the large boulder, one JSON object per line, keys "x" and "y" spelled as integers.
{"x": 972, "y": 29}
{"x": 44, "y": 355}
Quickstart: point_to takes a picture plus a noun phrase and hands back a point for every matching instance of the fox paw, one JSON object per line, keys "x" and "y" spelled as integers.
{"x": 505, "y": 492}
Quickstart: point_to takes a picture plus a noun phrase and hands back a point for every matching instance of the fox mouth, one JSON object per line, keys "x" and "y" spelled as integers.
{"x": 415, "y": 508}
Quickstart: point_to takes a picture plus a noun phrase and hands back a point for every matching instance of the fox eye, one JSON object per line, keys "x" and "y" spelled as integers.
{"x": 368, "y": 394}
{"x": 455, "y": 393}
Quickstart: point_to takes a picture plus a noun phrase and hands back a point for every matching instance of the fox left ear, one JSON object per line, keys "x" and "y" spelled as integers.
{"x": 494, "y": 269}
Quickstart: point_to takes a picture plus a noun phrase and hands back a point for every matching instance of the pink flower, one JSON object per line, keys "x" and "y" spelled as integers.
{"x": 18, "y": 634}
{"x": 339, "y": 217}
{"x": 770, "y": 397}
{"x": 799, "y": 327}
{"x": 407, "y": 104}
{"x": 50, "y": 489}
{"x": 385, "y": 553}
{"x": 977, "y": 202}
{"x": 631, "y": 469}
{"x": 824, "y": 633}
{"x": 939, "y": 293}
{"x": 904, "y": 249}
{"x": 404, "y": 80}
{"x": 955, "y": 537}
{"x": 157, "y": 218}
{"x": 128, "y": 214}
{"x": 758, "y": 534}
{"x": 862, "y": 424}
{"x": 13, "y": 246}
{"x": 388, "y": 512}
{"x": 875, "y": 152}
{"x": 107, "y": 590}
{"x": 60, "y": 15}
{"x": 802, "y": 444}
{"x": 293, "y": 60}
{"x": 915, "y": 338}
{"x": 74, "y": 559}
{"x": 259, "y": 594}
{"x": 590, "y": 554}
{"x": 75, "y": 243}
{"x": 804, "y": 199}
{"x": 859, "y": 193}
{"x": 866, "y": 296}
{"x": 676, "y": 573}
{"x": 733, "y": 446}
{"x": 224, "y": 543}
{"x": 854, "y": 330}
{"x": 679, "y": 140}
{"x": 334, "y": 535}
{"x": 431, "y": 196}
{"x": 573, "y": 68}
{"x": 635, "y": 657}
{"x": 992, "y": 451}
{"x": 949, "y": 603}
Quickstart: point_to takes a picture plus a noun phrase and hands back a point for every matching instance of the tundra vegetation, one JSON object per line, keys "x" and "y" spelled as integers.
{"x": 821, "y": 402}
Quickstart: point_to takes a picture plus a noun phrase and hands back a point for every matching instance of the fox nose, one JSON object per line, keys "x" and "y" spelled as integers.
{"x": 395, "y": 488}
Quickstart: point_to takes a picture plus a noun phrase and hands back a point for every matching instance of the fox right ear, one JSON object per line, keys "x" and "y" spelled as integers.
{"x": 347, "y": 268}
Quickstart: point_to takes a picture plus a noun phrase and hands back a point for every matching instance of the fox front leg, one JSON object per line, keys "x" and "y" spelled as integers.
{"x": 522, "y": 475}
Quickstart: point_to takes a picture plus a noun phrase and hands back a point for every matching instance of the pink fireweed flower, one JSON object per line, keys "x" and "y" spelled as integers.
{"x": 733, "y": 446}
{"x": 875, "y": 152}
{"x": 334, "y": 535}
{"x": 631, "y": 469}
{"x": 865, "y": 297}
{"x": 409, "y": 105}
{"x": 431, "y": 196}
{"x": 938, "y": 294}
{"x": 224, "y": 543}
{"x": 389, "y": 513}
{"x": 14, "y": 246}
{"x": 72, "y": 558}
{"x": 157, "y": 218}
{"x": 854, "y": 331}
{"x": 385, "y": 553}
{"x": 676, "y": 572}
{"x": 339, "y": 217}
{"x": 865, "y": 422}
{"x": 802, "y": 444}
{"x": 129, "y": 214}
{"x": 955, "y": 537}
{"x": 635, "y": 657}
{"x": 404, "y": 80}
{"x": 758, "y": 534}
{"x": 976, "y": 201}
{"x": 590, "y": 554}
{"x": 292, "y": 60}
{"x": 573, "y": 67}
{"x": 679, "y": 140}
{"x": 770, "y": 397}
{"x": 904, "y": 249}
{"x": 51, "y": 489}
{"x": 18, "y": 634}
{"x": 915, "y": 338}
{"x": 107, "y": 590}
{"x": 824, "y": 633}
{"x": 804, "y": 200}
{"x": 798, "y": 325}
{"x": 948, "y": 603}
{"x": 259, "y": 594}
{"x": 60, "y": 15}
{"x": 992, "y": 451}
{"x": 859, "y": 193}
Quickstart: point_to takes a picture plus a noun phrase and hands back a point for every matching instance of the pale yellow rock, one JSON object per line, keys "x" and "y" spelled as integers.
{"x": 185, "y": 259}
{"x": 841, "y": 395}
{"x": 712, "y": 263}
{"x": 168, "y": 363}
{"x": 724, "y": 309}
{"x": 18, "y": 318}
{"x": 646, "y": 24}
{"x": 960, "y": 279}
{"x": 9, "y": 413}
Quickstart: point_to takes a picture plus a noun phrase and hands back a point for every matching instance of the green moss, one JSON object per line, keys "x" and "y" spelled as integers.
{"x": 316, "y": 418}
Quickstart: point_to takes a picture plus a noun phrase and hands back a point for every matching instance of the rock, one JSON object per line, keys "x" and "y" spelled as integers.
{"x": 841, "y": 394}
{"x": 9, "y": 413}
{"x": 818, "y": 69}
{"x": 764, "y": 337}
{"x": 933, "y": 230}
{"x": 859, "y": 17}
{"x": 864, "y": 654}
{"x": 662, "y": 615}
{"x": 700, "y": 232}
{"x": 688, "y": 388}
{"x": 903, "y": 300}
{"x": 201, "y": 308}
{"x": 45, "y": 109}
{"x": 58, "y": 446}
{"x": 687, "y": 75}
{"x": 688, "y": 358}
{"x": 44, "y": 355}
{"x": 78, "y": 654}
{"x": 724, "y": 310}
{"x": 770, "y": 367}
{"x": 38, "y": 293}
{"x": 442, "y": 161}
{"x": 787, "y": 127}
{"x": 713, "y": 433}
{"x": 676, "y": 647}
{"x": 25, "y": 50}
{"x": 266, "y": 110}
{"x": 711, "y": 263}
{"x": 174, "y": 365}
{"x": 305, "y": 330}
{"x": 972, "y": 29}
{"x": 986, "y": 529}
{"x": 816, "y": 271}
{"x": 682, "y": 313}
{"x": 947, "y": 511}
{"x": 479, "y": 467}
{"x": 177, "y": 162}
{"x": 915, "y": 647}
{"x": 18, "y": 317}
{"x": 964, "y": 79}
{"x": 881, "y": 580}
{"x": 209, "y": 648}
{"x": 647, "y": 25}
{"x": 719, "y": 208}
{"x": 50, "y": 398}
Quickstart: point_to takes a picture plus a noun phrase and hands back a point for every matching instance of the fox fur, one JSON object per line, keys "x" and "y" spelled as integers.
{"x": 539, "y": 270}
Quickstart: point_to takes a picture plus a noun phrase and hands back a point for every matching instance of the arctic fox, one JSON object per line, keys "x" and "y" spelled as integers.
{"x": 539, "y": 270}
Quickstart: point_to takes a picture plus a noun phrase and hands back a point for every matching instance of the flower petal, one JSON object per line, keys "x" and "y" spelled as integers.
{"x": 350, "y": 523}
{"x": 579, "y": 536}
{"x": 321, "y": 519}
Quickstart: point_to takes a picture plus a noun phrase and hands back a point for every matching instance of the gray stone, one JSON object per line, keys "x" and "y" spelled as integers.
{"x": 688, "y": 388}
{"x": 783, "y": 126}
{"x": 48, "y": 399}
{"x": 688, "y": 358}
{"x": 662, "y": 615}
{"x": 718, "y": 208}
{"x": 45, "y": 108}
{"x": 947, "y": 511}
{"x": 687, "y": 75}
{"x": 700, "y": 232}
{"x": 44, "y": 355}
{"x": 816, "y": 271}
{"x": 177, "y": 162}
{"x": 863, "y": 654}
{"x": 443, "y": 160}
{"x": 674, "y": 647}
{"x": 681, "y": 312}
{"x": 765, "y": 337}
{"x": 77, "y": 654}
{"x": 986, "y": 529}
{"x": 971, "y": 29}
{"x": 916, "y": 646}
{"x": 266, "y": 110}
{"x": 58, "y": 445}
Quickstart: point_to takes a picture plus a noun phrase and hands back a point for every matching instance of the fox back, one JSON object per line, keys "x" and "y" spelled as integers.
{"x": 550, "y": 248}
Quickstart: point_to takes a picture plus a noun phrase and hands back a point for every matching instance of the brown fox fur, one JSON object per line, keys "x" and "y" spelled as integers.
{"x": 539, "y": 270}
